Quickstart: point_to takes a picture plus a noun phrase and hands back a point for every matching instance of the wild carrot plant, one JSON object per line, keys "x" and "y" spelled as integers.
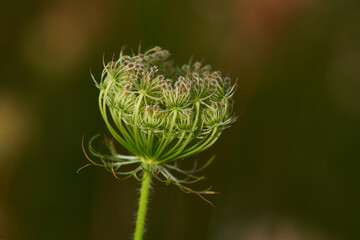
{"x": 161, "y": 114}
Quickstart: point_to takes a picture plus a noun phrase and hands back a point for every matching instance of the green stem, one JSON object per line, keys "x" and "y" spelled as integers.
{"x": 143, "y": 202}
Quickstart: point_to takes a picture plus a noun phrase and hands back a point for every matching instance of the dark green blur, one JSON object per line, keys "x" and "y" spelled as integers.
{"x": 287, "y": 169}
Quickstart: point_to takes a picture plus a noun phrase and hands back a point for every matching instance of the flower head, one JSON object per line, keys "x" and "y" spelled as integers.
{"x": 162, "y": 113}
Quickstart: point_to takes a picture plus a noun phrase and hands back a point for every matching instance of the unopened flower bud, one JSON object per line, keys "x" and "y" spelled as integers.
{"x": 215, "y": 74}
{"x": 227, "y": 80}
{"x": 214, "y": 105}
{"x": 185, "y": 68}
{"x": 197, "y": 65}
{"x": 153, "y": 69}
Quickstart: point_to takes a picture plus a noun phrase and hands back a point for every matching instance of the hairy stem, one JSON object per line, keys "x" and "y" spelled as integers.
{"x": 143, "y": 203}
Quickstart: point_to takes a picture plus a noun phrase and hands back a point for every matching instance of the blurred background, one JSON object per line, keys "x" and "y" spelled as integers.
{"x": 287, "y": 170}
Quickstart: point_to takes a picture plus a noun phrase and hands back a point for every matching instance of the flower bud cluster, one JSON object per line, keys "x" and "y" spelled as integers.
{"x": 178, "y": 111}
